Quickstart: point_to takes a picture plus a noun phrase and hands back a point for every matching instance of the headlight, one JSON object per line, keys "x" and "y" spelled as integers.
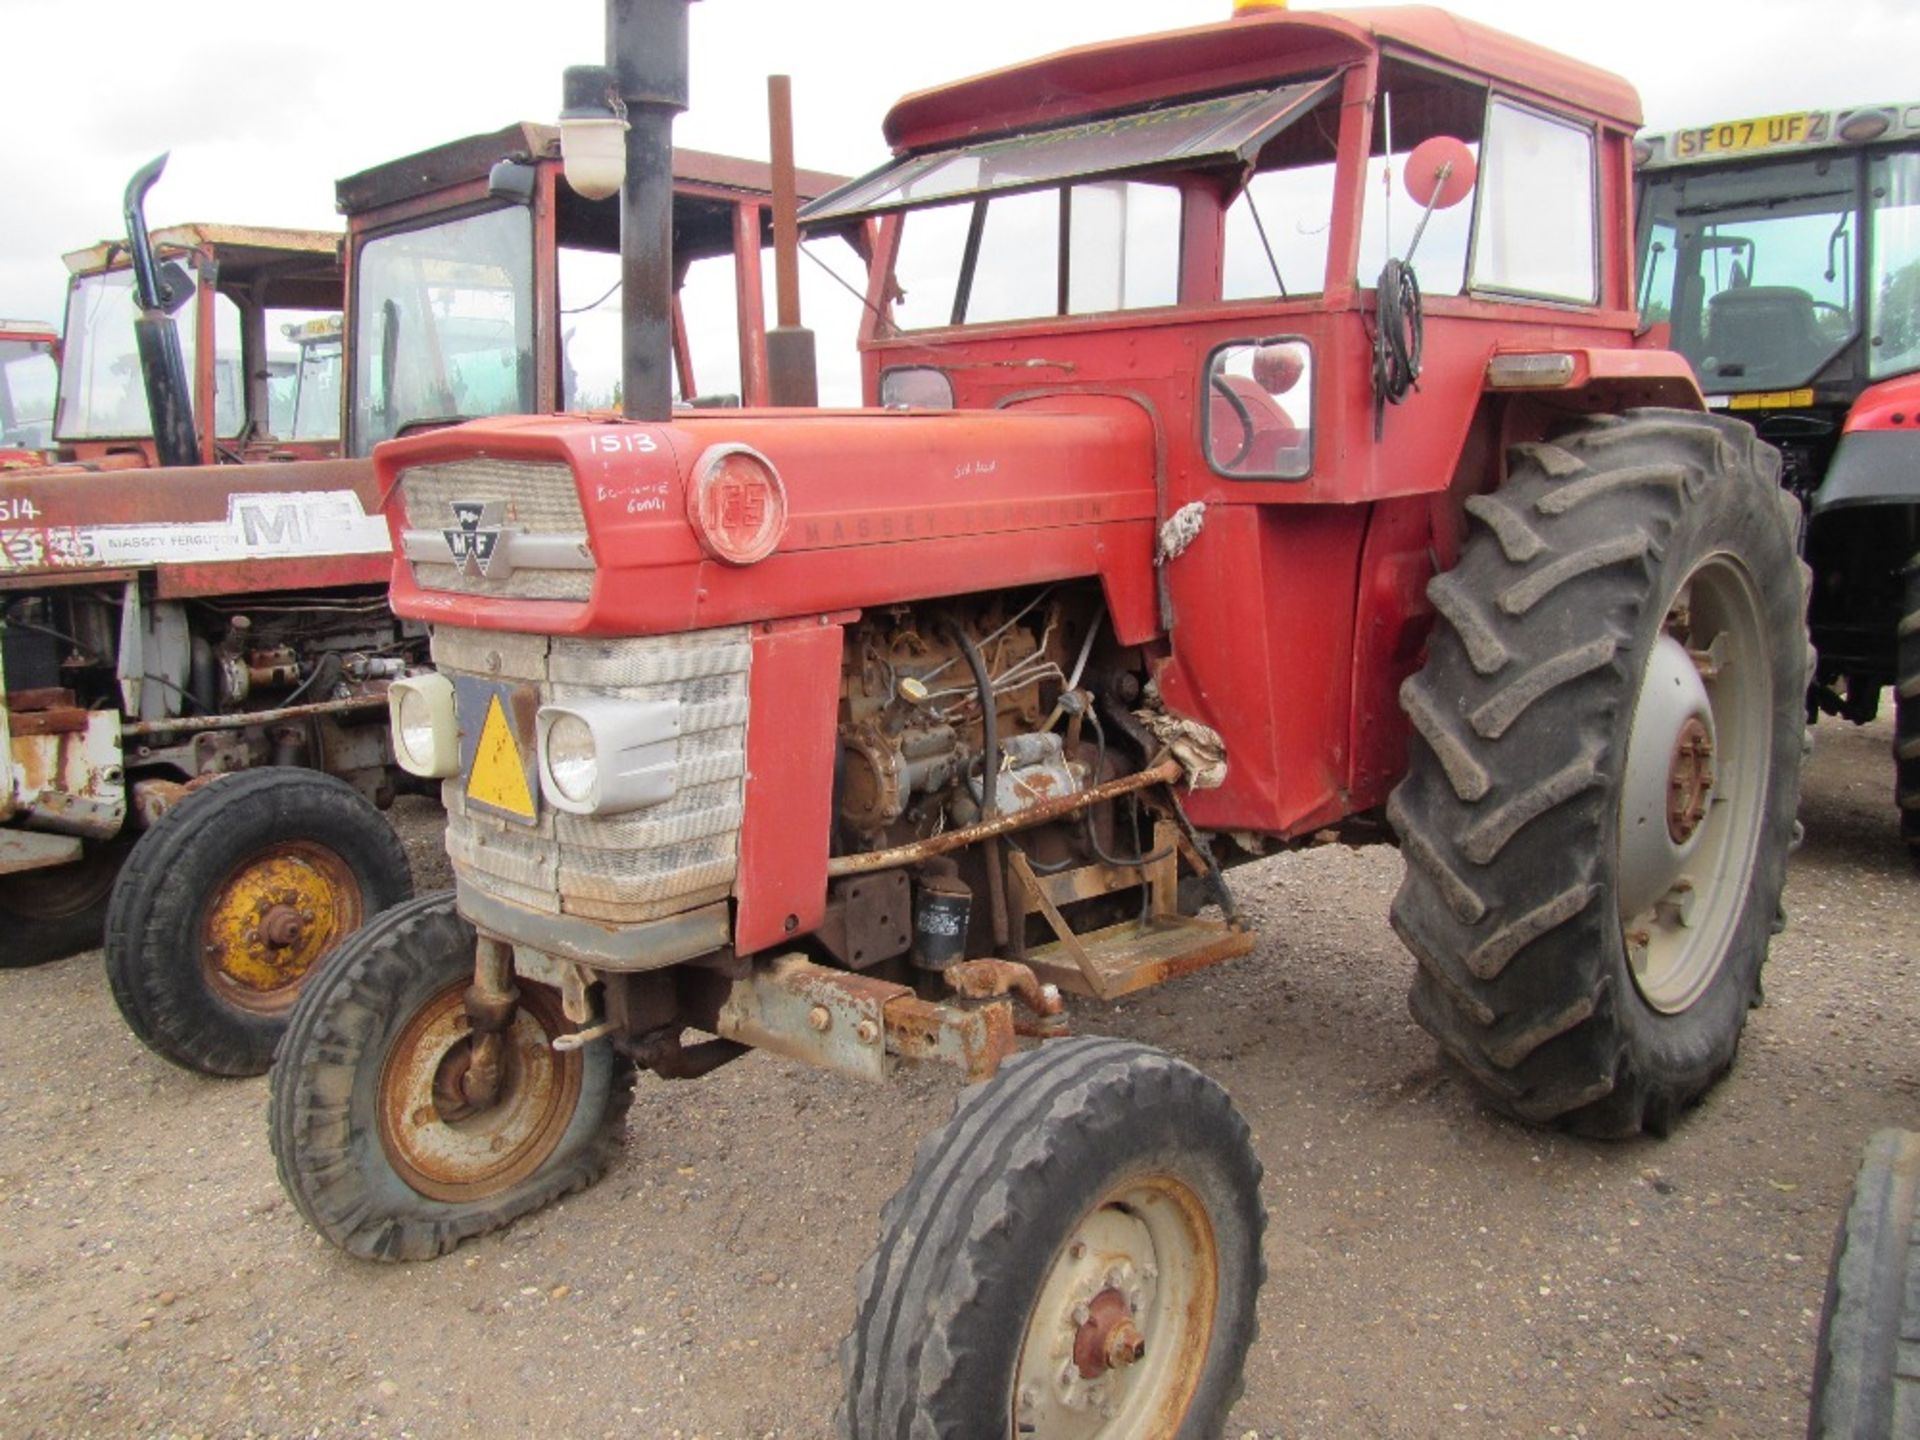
{"x": 426, "y": 739}
{"x": 606, "y": 757}
{"x": 571, "y": 759}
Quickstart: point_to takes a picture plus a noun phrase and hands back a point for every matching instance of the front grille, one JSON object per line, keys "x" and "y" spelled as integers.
{"x": 619, "y": 869}
{"x": 538, "y": 501}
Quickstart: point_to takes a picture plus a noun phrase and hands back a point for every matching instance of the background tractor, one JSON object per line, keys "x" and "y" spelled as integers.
{"x": 169, "y": 629}
{"x": 28, "y": 365}
{"x": 864, "y": 737}
{"x": 1781, "y": 256}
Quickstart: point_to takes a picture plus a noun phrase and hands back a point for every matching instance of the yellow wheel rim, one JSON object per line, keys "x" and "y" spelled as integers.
{"x": 273, "y": 917}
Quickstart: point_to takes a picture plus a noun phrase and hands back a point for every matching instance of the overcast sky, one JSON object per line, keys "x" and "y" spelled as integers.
{"x": 264, "y": 105}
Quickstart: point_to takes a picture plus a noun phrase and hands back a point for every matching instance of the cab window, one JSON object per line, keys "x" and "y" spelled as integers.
{"x": 1535, "y": 232}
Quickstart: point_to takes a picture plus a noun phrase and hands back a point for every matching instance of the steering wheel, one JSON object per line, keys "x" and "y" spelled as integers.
{"x": 1248, "y": 432}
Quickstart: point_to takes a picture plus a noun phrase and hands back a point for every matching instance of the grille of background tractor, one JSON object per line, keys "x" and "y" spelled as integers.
{"x": 540, "y": 499}
{"x": 618, "y": 869}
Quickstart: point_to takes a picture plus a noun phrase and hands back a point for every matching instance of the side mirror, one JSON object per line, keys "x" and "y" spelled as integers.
{"x": 175, "y": 286}
{"x": 1440, "y": 172}
{"x": 511, "y": 180}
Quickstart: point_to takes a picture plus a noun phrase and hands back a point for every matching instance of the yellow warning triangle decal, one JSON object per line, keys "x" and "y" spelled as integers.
{"x": 499, "y": 775}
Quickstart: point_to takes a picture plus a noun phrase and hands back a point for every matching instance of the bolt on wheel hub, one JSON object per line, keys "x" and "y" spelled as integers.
{"x": 1122, "y": 1319}
{"x": 1689, "y": 780}
{"x": 271, "y": 919}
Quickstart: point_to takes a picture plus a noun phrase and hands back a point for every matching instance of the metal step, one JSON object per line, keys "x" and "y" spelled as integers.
{"x": 1135, "y": 955}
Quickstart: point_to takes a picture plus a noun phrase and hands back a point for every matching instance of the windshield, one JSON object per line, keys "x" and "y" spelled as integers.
{"x": 443, "y": 317}
{"x": 1756, "y": 269}
{"x": 102, "y": 393}
{"x": 313, "y": 398}
{"x": 26, "y": 394}
{"x": 1893, "y": 182}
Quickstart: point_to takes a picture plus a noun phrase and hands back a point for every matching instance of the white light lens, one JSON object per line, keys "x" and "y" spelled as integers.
{"x": 426, "y": 737}
{"x": 572, "y": 762}
{"x": 414, "y": 729}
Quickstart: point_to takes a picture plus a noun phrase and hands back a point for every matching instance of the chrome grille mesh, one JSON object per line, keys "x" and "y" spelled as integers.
{"x": 627, "y": 868}
{"x": 538, "y": 499}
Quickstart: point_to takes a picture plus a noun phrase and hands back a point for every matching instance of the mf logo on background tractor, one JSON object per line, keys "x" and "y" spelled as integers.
{"x": 476, "y": 535}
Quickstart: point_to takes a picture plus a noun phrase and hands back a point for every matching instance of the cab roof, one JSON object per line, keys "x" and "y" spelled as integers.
{"x": 241, "y": 248}
{"x": 470, "y": 158}
{"x": 1251, "y": 49}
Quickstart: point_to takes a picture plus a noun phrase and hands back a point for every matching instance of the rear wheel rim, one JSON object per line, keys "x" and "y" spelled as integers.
{"x": 1131, "y": 1295}
{"x": 453, "y": 1154}
{"x": 1697, "y": 775}
{"x": 273, "y": 917}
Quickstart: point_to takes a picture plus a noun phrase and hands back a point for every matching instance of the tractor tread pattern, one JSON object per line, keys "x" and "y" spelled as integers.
{"x": 1518, "y": 725}
{"x": 910, "y": 1361}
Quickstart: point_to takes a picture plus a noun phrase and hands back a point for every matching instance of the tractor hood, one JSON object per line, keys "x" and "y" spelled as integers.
{"x": 198, "y": 529}
{"x": 588, "y": 526}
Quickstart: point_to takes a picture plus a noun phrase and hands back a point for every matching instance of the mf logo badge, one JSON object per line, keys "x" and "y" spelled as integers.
{"x": 476, "y": 535}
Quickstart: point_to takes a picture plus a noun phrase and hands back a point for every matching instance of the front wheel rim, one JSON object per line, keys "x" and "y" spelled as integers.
{"x": 449, "y": 1153}
{"x": 1120, "y": 1330}
{"x": 1698, "y": 770}
{"x": 271, "y": 920}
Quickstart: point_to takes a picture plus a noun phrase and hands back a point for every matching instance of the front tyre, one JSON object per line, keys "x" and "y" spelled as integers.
{"x": 1864, "y": 1385}
{"x": 373, "y": 1137}
{"x": 1597, "y": 815}
{"x": 1076, "y": 1255}
{"x": 53, "y": 913}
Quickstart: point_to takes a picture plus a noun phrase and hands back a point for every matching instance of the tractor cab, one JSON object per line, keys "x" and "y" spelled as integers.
{"x": 28, "y": 368}
{"x": 495, "y": 290}
{"x": 245, "y": 285}
{"x": 1782, "y": 256}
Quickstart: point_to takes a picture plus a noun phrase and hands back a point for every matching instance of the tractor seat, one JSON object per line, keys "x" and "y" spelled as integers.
{"x": 1762, "y": 332}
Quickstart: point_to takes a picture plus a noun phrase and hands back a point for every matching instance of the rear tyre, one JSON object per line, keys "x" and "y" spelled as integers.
{"x": 373, "y": 1138}
{"x": 1597, "y": 815}
{"x": 232, "y": 899}
{"x": 1906, "y": 726}
{"x": 60, "y": 911}
{"x": 1076, "y": 1255}
{"x": 1863, "y": 1388}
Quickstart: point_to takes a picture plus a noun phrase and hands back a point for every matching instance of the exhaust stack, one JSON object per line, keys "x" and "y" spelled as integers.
{"x": 647, "y": 53}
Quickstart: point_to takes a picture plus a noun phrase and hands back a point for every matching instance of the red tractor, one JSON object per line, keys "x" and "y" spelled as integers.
{"x": 165, "y": 629}
{"x": 862, "y": 736}
{"x": 28, "y": 364}
{"x": 1781, "y": 256}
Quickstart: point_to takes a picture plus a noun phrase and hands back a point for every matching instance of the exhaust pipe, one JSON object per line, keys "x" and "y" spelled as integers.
{"x": 647, "y": 53}
{"x": 157, "y": 294}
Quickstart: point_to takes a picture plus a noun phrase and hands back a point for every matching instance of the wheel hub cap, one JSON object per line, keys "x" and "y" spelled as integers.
{"x": 444, "y": 1145}
{"x": 271, "y": 919}
{"x": 1121, "y": 1324}
{"x": 1689, "y": 780}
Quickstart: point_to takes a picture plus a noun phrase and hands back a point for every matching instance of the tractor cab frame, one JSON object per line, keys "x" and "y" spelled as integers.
{"x": 247, "y": 284}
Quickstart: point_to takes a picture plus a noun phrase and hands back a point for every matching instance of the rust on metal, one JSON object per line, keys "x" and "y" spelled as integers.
{"x": 974, "y": 1039}
{"x": 850, "y": 1023}
{"x": 194, "y": 724}
{"x": 1108, "y": 1339}
{"x": 990, "y": 979}
{"x": 1166, "y": 772}
{"x": 272, "y": 919}
{"x": 1133, "y": 956}
{"x": 443, "y": 1144}
{"x": 869, "y": 918}
{"x": 1689, "y": 780}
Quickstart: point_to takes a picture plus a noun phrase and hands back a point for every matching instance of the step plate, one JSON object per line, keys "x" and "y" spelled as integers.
{"x": 1131, "y": 956}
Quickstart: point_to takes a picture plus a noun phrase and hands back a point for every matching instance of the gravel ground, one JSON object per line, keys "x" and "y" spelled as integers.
{"x": 1435, "y": 1270}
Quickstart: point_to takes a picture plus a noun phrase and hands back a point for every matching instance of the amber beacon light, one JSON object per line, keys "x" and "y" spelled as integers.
{"x": 1243, "y": 8}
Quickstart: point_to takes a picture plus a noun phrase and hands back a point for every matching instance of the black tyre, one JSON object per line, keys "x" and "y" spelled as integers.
{"x": 232, "y": 900}
{"x": 1597, "y": 816}
{"x": 1077, "y": 1253}
{"x": 374, "y": 1140}
{"x": 1906, "y": 724}
{"x": 60, "y": 911}
{"x": 1866, "y": 1383}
